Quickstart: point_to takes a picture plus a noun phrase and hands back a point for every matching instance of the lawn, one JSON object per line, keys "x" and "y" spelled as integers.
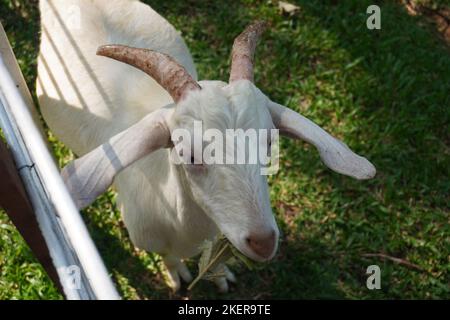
{"x": 385, "y": 92}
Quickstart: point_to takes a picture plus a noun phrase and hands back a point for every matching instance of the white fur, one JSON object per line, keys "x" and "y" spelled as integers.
{"x": 86, "y": 99}
{"x": 167, "y": 208}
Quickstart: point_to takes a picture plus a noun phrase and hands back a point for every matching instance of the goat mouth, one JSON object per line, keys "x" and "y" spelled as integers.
{"x": 256, "y": 257}
{"x": 243, "y": 249}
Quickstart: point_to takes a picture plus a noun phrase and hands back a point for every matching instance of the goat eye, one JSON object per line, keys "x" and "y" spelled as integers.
{"x": 192, "y": 163}
{"x": 269, "y": 148}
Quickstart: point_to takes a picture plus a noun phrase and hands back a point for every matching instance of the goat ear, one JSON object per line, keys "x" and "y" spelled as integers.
{"x": 334, "y": 153}
{"x": 89, "y": 176}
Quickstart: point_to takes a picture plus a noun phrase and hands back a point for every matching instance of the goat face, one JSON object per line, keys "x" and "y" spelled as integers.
{"x": 235, "y": 196}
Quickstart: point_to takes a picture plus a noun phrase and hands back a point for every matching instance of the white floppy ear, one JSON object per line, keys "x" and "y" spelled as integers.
{"x": 334, "y": 153}
{"x": 90, "y": 176}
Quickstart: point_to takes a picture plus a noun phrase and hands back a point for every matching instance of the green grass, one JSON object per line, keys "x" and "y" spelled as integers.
{"x": 386, "y": 93}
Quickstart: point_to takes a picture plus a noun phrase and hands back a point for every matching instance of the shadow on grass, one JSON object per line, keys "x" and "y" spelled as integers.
{"x": 403, "y": 97}
{"x": 400, "y": 81}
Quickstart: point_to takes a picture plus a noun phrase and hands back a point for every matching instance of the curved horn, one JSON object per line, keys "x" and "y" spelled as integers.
{"x": 244, "y": 50}
{"x": 164, "y": 69}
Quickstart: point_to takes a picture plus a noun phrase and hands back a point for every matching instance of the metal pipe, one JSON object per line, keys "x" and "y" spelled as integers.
{"x": 66, "y": 231}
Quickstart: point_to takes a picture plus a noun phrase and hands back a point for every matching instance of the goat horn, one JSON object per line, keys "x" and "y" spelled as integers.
{"x": 172, "y": 76}
{"x": 244, "y": 50}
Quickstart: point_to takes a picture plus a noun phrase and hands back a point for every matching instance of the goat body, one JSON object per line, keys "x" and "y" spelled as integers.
{"x": 86, "y": 99}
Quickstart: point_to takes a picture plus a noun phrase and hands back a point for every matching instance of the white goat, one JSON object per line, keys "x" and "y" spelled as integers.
{"x": 119, "y": 121}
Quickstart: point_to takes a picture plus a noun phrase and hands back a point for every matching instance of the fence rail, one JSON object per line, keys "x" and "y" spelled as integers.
{"x": 80, "y": 269}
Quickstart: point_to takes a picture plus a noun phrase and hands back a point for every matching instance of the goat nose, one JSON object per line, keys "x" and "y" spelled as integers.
{"x": 263, "y": 244}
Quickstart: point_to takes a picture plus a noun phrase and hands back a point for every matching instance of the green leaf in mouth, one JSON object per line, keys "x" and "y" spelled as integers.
{"x": 214, "y": 255}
